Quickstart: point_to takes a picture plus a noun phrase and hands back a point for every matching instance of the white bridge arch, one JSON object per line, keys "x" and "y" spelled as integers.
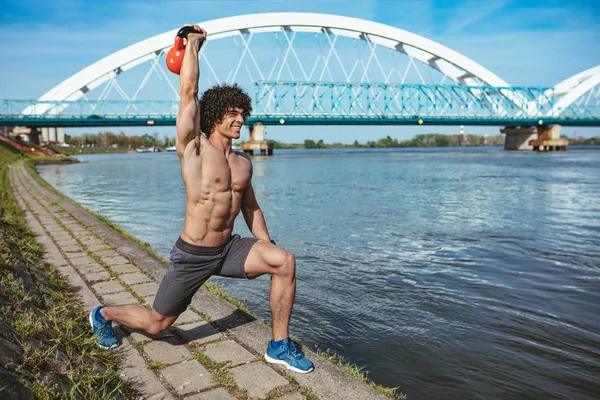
{"x": 584, "y": 86}
{"x": 451, "y": 64}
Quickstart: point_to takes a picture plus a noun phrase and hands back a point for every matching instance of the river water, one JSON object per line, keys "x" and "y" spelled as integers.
{"x": 453, "y": 273}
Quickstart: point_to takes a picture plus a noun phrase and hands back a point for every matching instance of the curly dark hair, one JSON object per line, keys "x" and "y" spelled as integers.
{"x": 219, "y": 99}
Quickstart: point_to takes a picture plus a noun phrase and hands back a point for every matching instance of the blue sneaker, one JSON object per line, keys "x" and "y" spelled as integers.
{"x": 289, "y": 355}
{"x": 103, "y": 331}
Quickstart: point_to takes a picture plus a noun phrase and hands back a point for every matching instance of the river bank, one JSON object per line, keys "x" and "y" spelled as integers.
{"x": 214, "y": 336}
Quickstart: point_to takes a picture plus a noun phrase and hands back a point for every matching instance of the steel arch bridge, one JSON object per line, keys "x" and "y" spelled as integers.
{"x": 362, "y": 72}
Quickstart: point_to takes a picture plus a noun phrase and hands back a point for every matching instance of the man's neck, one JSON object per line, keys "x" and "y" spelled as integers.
{"x": 220, "y": 143}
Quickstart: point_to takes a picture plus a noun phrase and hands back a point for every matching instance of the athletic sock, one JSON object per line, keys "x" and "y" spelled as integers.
{"x": 278, "y": 343}
{"x": 99, "y": 316}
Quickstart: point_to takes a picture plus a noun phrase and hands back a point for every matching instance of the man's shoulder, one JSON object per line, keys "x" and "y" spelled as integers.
{"x": 243, "y": 155}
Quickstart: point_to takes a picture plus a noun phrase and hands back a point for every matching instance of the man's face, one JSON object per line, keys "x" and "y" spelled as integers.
{"x": 232, "y": 123}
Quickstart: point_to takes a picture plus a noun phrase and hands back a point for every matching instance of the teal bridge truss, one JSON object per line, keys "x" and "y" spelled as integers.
{"x": 319, "y": 103}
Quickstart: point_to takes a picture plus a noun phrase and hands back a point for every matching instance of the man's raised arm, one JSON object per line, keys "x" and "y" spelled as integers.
{"x": 188, "y": 118}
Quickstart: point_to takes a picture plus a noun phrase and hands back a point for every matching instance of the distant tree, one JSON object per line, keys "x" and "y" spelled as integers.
{"x": 169, "y": 141}
{"x": 310, "y": 144}
{"x": 122, "y": 139}
{"x": 441, "y": 141}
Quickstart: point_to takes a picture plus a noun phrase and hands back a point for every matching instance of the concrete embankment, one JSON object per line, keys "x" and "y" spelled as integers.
{"x": 214, "y": 351}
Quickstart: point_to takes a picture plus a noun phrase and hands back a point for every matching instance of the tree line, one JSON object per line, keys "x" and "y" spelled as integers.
{"x": 423, "y": 140}
{"x": 578, "y": 140}
{"x": 110, "y": 139}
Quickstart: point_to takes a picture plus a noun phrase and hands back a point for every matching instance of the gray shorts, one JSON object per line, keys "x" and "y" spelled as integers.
{"x": 192, "y": 265}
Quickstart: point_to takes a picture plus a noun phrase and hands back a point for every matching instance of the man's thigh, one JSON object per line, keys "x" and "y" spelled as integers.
{"x": 264, "y": 258}
{"x": 235, "y": 256}
{"x": 187, "y": 272}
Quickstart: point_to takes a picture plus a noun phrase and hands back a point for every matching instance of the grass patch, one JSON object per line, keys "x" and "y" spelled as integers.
{"x": 156, "y": 365}
{"x": 58, "y": 357}
{"x": 219, "y": 291}
{"x": 221, "y": 376}
{"x": 359, "y": 373}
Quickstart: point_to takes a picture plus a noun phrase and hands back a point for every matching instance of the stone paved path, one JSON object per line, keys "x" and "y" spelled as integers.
{"x": 214, "y": 351}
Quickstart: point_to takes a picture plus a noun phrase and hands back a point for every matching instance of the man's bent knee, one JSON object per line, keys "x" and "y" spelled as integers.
{"x": 288, "y": 268}
{"x": 159, "y": 323}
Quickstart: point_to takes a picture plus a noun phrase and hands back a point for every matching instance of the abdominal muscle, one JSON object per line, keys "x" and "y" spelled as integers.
{"x": 212, "y": 203}
{"x": 209, "y": 221}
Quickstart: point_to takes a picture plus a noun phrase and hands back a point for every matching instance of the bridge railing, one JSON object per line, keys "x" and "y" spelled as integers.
{"x": 378, "y": 99}
{"x": 327, "y": 103}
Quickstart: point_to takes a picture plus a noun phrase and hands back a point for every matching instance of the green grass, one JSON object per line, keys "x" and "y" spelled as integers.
{"x": 359, "y": 373}
{"x": 156, "y": 365}
{"x": 59, "y": 357}
{"x": 221, "y": 376}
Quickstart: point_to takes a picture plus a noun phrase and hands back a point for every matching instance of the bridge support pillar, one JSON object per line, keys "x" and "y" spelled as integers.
{"x": 537, "y": 138}
{"x": 53, "y": 135}
{"x": 27, "y": 134}
{"x": 549, "y": 139}
{"x": 257, "y": 141}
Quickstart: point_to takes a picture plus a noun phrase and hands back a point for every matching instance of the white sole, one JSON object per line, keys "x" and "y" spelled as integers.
{"x": 275, "y": 361}
{"x": 91, "y": 320}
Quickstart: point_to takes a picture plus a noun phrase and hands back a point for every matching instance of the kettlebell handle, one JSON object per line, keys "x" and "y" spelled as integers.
{"x": 183, "y": 32}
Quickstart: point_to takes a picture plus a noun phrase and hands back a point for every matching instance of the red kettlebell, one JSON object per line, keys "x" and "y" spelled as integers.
{"x": 175, "y": 55}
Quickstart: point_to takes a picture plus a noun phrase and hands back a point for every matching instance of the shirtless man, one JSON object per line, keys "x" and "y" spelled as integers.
{"x": 218, "y": 185}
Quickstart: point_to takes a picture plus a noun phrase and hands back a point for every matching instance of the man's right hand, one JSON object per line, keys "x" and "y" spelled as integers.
{"x": 199, "y": 35}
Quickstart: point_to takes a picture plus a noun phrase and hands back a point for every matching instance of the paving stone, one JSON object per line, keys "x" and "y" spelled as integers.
{"x": 229, "y": 351}
{"x": 149, "y": 300}
{"x": 199, "y": 332}
{"x": 77, "y": 255}
{"x": 217, "y": 394}
{"x": 108, "y": 287}
{"x": 132, "y": 279}
{"x": 55, "y": 259}
{"x": 142, "y": 336}
{"x": 124, "y": 269}
{"x": 187, "y": 316}
{"x": 258, "y": 379}
{"x": 188, "y": 377}
{"x": 75, "y": 248}
{"x": 106, "y": 253}
{"x": 118, "y": 260}
{"x": 167, "y": 352}
{"x": 93, "y": 267}
{"x": 80, "y": 261}
{"x": 90, "y": 240}
{"x": 97, "y": 276}
{"x": 70, "y": 242}
{"x": 135, "y": 367}
{"x": 97, "y": 246}
{"x": 119, "y": 299}
{"x": 65, "y": 236}
{"x": 293, "y": 396}
{"x": 58, "y": 231}
{"x": 144, "y": 289}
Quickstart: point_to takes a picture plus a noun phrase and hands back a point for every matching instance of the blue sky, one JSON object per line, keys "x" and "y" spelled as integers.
{"x": 533, "y": 43}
